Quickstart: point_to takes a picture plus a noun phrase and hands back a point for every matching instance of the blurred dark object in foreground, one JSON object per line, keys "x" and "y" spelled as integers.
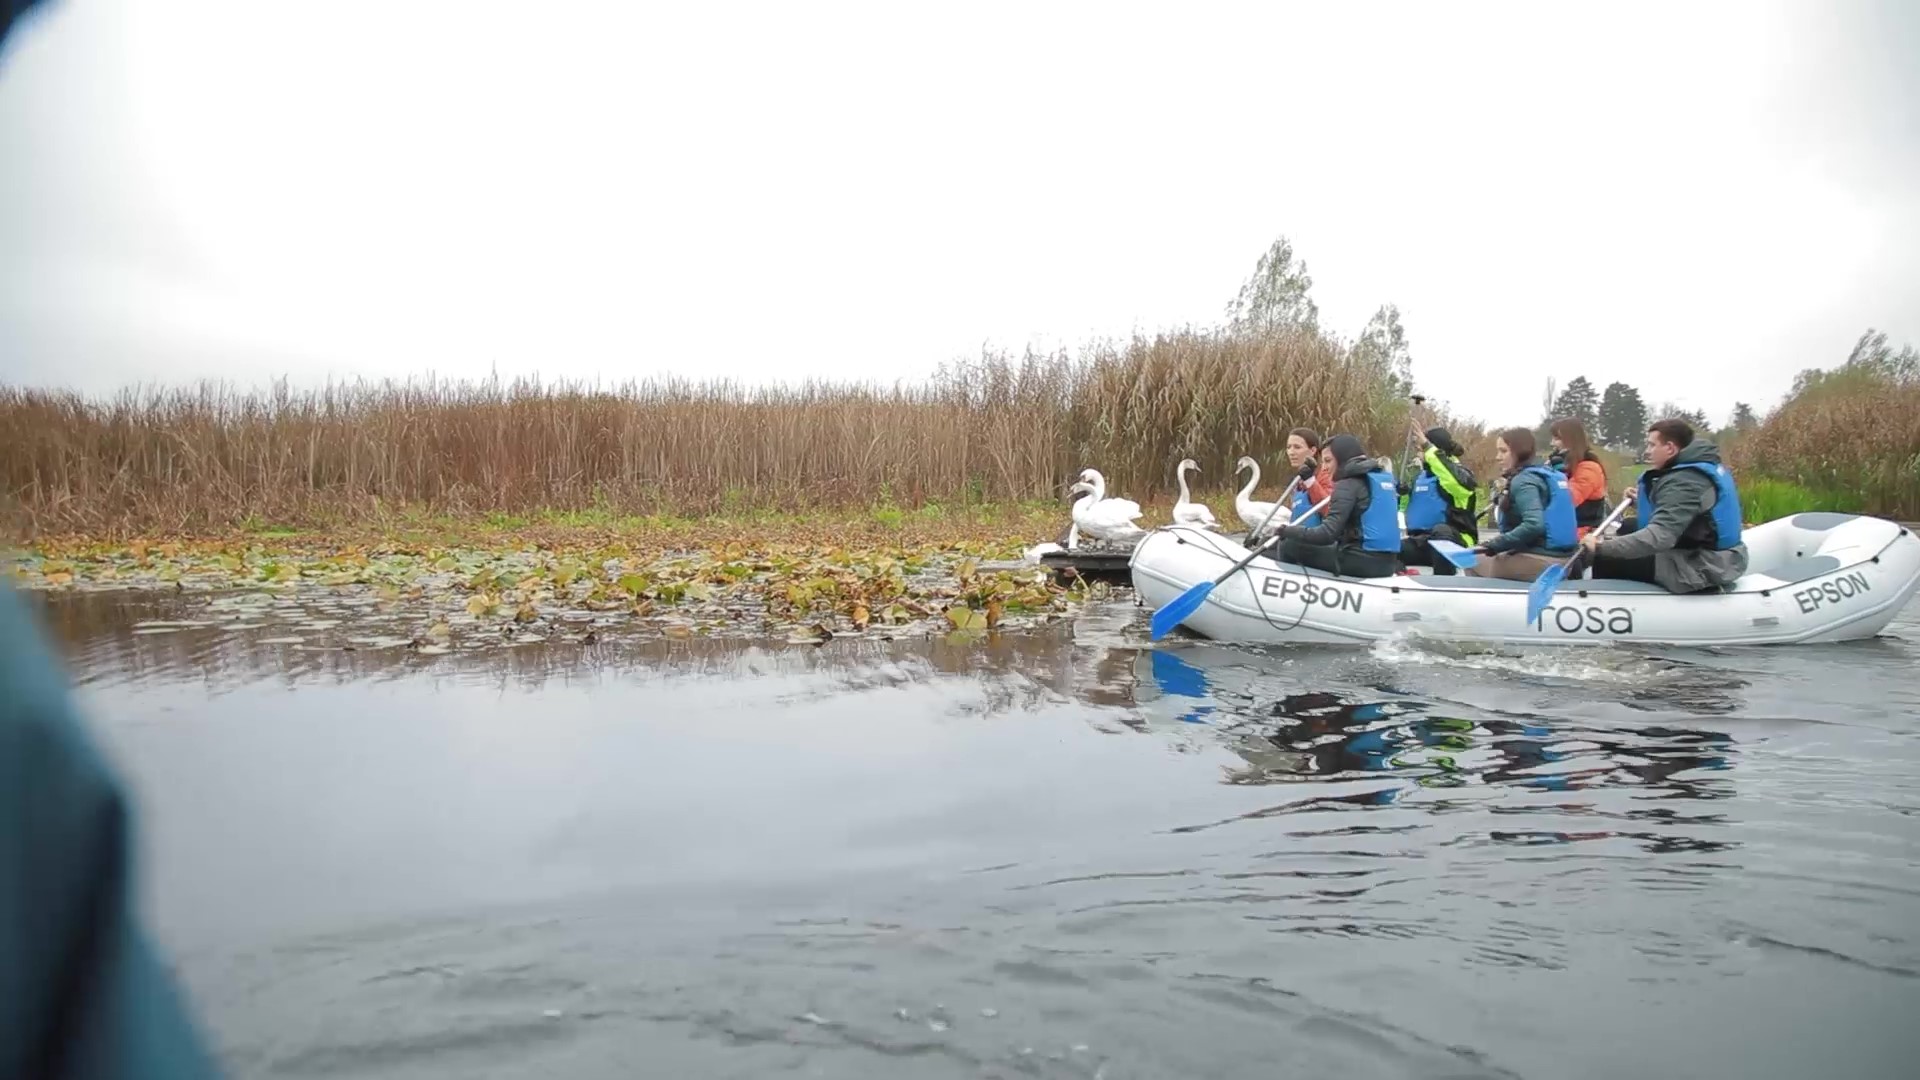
{"x": 82, "y": 992}
{"x": 11, "y": 12}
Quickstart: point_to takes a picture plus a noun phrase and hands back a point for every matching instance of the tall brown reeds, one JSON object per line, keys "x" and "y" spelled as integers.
{"x": 998, "y": 428}
{"x": 1853, "y": 431}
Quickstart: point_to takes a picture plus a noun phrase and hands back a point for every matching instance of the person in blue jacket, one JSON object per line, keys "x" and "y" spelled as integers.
{"x": 83, "y": 996}
{"x": 1359, "y": 532}
{"x": 1535, "y": 515}
{"x": 1688, "y": 538}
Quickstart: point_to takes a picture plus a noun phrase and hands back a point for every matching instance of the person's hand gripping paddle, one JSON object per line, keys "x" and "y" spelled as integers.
{"x": 1540, "y": 593}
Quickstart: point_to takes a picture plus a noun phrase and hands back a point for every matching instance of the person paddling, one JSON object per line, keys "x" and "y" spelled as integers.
{"x": 1303, "y": 446}
{"x": 1359, "y": 535}
{"x": 1441, "y": 503}
{"x": 1535, "y": 515}
{"x": 1688, "y": 535}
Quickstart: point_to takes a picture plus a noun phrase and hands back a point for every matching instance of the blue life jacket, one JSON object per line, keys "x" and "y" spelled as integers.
{"x": 1427, "y": 506}
{"x": 1301, "y": 504}
{"x": 1723, "y": 524}
{"x": 1380, "y": 521}
{"x": 1563, "y": 529}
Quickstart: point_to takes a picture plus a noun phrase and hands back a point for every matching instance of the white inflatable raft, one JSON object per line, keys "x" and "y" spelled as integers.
{"x": 1813, "y": 577}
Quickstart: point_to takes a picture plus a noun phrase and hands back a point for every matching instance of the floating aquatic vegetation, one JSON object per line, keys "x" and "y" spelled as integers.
{"x": 430, "y": 599}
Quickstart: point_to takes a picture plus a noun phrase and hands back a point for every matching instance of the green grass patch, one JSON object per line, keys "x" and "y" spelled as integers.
{"x": 1763, "y": 499}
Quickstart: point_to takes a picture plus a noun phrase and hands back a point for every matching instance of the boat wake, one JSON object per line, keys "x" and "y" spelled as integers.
{"x": 1605, "y": 664}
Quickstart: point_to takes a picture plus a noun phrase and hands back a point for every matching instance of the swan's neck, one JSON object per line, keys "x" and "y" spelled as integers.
{"x": 1099, "y": 491}
{"x": 1253, "y": 481}
{"x": 1184, "y": 497}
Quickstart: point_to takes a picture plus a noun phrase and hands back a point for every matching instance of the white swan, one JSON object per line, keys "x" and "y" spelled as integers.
{"x": 1186, "y": 511}
{"x": 1255, "y": 514}
{"x": 1103, "y": 518}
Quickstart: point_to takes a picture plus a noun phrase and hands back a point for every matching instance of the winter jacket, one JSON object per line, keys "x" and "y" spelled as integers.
{"x": 1320, "y": 486}
{"x": 1681, "y": 497}
{"x": 1527, "y": 495}
{"x": 1340, "y": 522}
{"x": 1457, "y": 481}
{"x": 1587, "y": 481}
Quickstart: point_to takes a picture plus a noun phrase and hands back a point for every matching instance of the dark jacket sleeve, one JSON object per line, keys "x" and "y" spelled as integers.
{"x": 1529, "y": 494}
{"x": 82, "y": 994}
{"x": 1679, "y": 497}
{"x": 1344, "y": 507}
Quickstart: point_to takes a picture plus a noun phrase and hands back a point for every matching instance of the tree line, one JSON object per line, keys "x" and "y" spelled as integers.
{"x": 1617, "y": 417}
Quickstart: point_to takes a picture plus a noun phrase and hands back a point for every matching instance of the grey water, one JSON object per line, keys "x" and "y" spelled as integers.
{"x": 1058, "y": 853}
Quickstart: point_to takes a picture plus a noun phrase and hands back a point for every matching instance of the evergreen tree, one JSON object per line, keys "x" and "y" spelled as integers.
{"x": 1578, "y": 401}
{"x": 1623, "y": 418}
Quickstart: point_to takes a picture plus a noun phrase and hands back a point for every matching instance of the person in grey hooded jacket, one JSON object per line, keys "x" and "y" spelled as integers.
{"x": 1690, "y": 540}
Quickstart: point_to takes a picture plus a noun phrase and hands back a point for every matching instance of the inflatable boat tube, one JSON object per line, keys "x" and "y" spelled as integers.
{"x": 1814, "y": 577}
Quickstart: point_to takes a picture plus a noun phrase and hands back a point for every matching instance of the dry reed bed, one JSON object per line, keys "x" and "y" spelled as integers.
{"x": 995, "y": 430}
{"x": 1856, "y": 435}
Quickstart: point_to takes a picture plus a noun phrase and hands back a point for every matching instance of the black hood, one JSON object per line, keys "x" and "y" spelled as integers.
{"x": 1442, "y": 440}
{"x": 1344, "y": 449}
{"x": 1350, "y": 457}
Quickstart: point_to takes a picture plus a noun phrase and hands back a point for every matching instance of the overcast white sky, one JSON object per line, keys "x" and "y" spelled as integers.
{"x": 1700, "y": 199}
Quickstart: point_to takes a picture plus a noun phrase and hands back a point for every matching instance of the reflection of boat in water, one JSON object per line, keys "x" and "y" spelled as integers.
{"x": 1813, "y": 578}
{"x": 1318, "y": 736}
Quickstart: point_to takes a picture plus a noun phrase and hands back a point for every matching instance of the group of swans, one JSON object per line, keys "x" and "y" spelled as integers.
{"x": 1117, "y": 520}
{"x": 1253, "y": 513}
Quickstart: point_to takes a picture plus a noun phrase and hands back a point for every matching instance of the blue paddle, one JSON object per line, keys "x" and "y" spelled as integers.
{"x": 1454, "y": 553}
{"x": 1189, "y": 602}
{"x": 1540, "y": 593}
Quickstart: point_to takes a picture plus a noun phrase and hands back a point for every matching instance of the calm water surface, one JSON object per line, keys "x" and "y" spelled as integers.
{"x": 1059, "y": 854}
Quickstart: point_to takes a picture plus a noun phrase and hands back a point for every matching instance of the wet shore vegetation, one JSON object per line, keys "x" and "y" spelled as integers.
{"x": 433, "y": 584}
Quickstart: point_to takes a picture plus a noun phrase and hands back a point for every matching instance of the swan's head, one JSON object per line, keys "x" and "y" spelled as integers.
{"x": 1244, "y": 464}
{"x": 1079, "y": 489}
{"x": 1189, "y": 463}
{"x": 1091, "y": 476}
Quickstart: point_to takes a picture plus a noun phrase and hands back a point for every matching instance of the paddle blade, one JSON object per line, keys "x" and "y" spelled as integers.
{"x": 1454, "y": 553}
{"x": 1540, "y": 593}
{"x": 1182, "y": 606}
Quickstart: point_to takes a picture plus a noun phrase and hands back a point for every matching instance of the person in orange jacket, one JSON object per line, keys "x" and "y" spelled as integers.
{"x": 1586, "y": 477}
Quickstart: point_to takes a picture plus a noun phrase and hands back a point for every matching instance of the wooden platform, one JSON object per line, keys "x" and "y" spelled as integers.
{"x": 1104, "y": 564}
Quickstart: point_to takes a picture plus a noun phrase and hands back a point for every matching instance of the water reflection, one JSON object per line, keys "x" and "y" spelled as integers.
{"x": 1324, "y": 738}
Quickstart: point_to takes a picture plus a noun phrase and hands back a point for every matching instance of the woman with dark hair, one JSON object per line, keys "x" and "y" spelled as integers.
{"x": 1359, "y": 535}
{"x": 1586, "y": 476}
{"x": 1535, "y": 515}
{"x": 1303, "y": 446}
